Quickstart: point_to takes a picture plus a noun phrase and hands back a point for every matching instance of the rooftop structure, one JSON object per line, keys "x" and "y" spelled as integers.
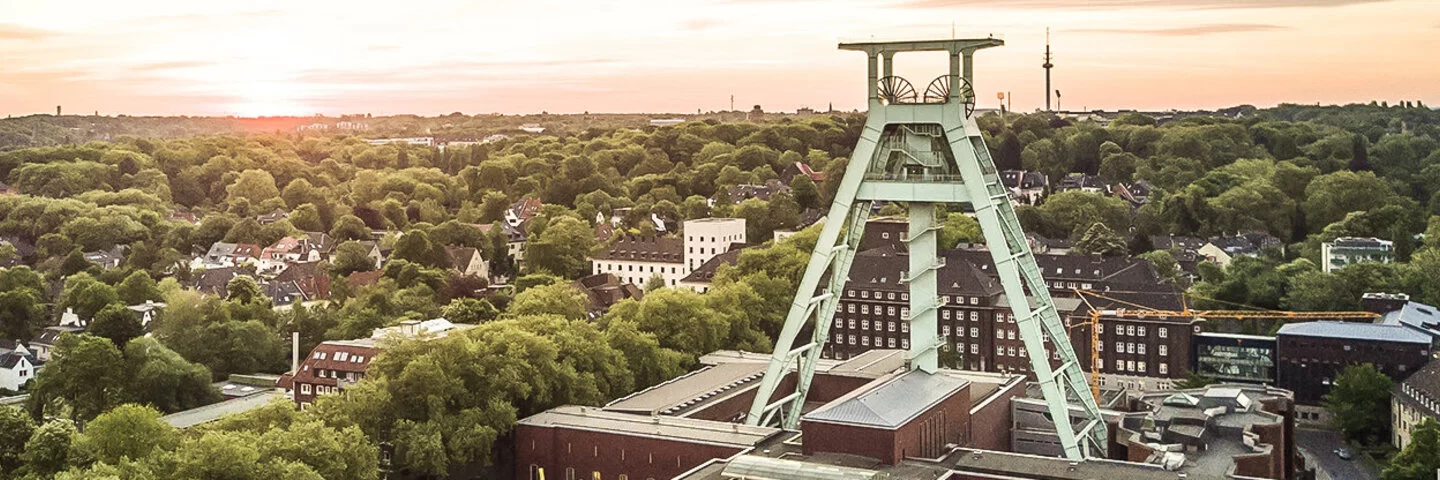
{"x": 1338, "y": 253}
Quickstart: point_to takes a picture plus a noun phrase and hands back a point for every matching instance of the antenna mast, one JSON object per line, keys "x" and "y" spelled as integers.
{"x": 1047, "y": 67}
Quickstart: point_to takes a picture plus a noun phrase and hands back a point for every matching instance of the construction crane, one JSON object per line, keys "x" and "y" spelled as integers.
{"x": 1142, "y": 311}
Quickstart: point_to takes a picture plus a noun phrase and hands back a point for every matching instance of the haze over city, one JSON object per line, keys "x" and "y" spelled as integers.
{"x": 166, "y": 57}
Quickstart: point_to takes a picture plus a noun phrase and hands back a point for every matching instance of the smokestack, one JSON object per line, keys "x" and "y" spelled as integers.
{"x": 295, "y": 352}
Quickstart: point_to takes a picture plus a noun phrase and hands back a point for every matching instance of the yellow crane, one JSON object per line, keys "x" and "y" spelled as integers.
{"x": 1142, "y": 311}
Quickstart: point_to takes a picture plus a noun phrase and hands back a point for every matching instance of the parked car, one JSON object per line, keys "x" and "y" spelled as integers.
{"x": 1344, "y": 453}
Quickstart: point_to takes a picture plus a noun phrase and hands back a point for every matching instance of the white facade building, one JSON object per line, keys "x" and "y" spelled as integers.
{"x": 1344, "y": 251}
{"x": 635, "y": 260}
{"x": 17, "y": 367}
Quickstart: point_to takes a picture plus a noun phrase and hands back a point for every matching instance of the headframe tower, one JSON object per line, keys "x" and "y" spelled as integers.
{"x": 924, "y": 150}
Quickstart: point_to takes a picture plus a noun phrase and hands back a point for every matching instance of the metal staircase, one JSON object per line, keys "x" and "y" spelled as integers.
{"x": 924, "y": 153}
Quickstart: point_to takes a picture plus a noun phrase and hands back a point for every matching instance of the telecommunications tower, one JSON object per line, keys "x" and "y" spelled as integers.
{"x": 1047, "y": 65}
{"x": 925, "y": 149}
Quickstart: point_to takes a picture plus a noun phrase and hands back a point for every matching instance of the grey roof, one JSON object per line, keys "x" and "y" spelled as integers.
{"x": 221, "y": 249}
{"x": 216, "y": 411}
{"x": 1415, "y": 315}
{"x": 1425, "y": 381}
{"x": 688, "y": 389}
{"x": 891, "y": 403}
{"x": 672, "y": 429}
{"x": 756, "y": 467}
{"x": 1369, "y": 243}
{"x": 1355, "y": 331}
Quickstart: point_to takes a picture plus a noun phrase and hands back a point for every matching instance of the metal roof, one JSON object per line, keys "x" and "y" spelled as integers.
{"x": 662, "y": 427}
{"x": 889, "y": 403}
{"x": 688, "y": 389}
{"x": 1355, "y": 331}
{"x": 1415, "y": 315}
{"x": 748, "y": 467}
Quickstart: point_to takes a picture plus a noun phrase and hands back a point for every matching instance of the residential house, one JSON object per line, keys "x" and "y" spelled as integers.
{"x": 1136, "y": 194}
{"x": 372, "y": 250}
{"x": 1084, "y": 183}
{"x": 107, "y": 259}
{"x": 334, "y": 365}
{"x": 604, "y": 290}
{"x": 186, "y": 217}
{"x": 216, "y": 281}
{"x": 796, "y": 169}
{"x": 298, "y": 282}
{"x": 1338, "y": 253}
{"x": 604, "y": 231}
{"x": 359, "y": 280}
{"x": 222, "y": 254}
{"x": 1414, "y": 400}
{"x": 743, "y": 192}
{"x": 467, "y": 261}
{"x": 1026, "y": 188}
{"x": 148, "y": 311}
{"x": 312, "y": 247}
{"x": 273, "y": 217}
{"x": 44, "y": 342}
{"x": 1224, "y": 248}
{"x": 18, "y": 365}
{"x": 522, "y": 211}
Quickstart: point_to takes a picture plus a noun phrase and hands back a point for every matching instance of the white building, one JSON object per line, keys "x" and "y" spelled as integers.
{"x": 1344, "y": 251}
{"x": 423, "y": 141}
{"x": 635, "y": 260}
{"x": 707, "y": 237}
{"x": 17, "y": 366}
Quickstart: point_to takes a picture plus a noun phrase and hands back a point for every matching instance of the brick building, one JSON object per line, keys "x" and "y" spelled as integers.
{"x": 1312, "y": 354}
{"x": 329, "y": 368}
{"x": 1136, "y": 351}
{"x": 1414, "y": 400}
{"x": 636, "y": 260}
{"x": 676, "y": 426}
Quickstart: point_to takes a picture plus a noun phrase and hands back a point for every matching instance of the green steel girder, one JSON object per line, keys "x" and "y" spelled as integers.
{"x": 925, "y": 154}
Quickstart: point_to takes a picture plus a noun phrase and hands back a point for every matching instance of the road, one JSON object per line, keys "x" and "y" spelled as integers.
{"x": 1320, "y": 445}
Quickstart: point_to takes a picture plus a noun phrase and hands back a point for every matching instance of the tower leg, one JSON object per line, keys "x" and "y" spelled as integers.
{"x": 924, "y": 297}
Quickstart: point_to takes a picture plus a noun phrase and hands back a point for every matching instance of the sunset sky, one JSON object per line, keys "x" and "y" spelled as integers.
{"x": 267, "y": 57}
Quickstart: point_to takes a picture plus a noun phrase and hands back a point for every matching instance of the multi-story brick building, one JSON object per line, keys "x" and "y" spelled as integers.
{"x": 1136, "y": 350}
{"x": 331, "y": 366}
{"x": 1413, "y": 400}
{"x": 1312, "y": 354}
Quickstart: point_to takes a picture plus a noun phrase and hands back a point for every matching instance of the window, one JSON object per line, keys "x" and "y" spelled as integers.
{"x": 839, "y": 322}
{"x": 1130, "y": 330}
{"x": 1142, "y": 330}
{"x": 960, "y": 331}
{"x": 999, "y": 350}
{"x": 1164, "y": 332}
{"x": 1101, "y": 346}
{"x": 1130, "y": 365}
{"x": 889, "y": 310}
{"x": 1141, "y": 366}
{"x": 864, "y": 324}
{"x": 1164, "y": 369}
{"x": 945, "y": 314}
{"x": 852, "y": 339}
{"x": 891, "y": 343}
{"x": 865, "y": 341}
{"x": 885, "y": 235}
{"x": 1120, "y": 365}
{"x": 890, "y": 296}
{"x": 850, "y": 293}
{"x": 904, "y": 343}
{"x": 905, "y": 296}
{"x": 905, "y": 312}
{"x": 319, "y": 355}
{"x": 1009, "y": 334}
{"x": 945, "y": 330}
{"x": 974, "y": 348}
{"x": 1119, "y": 347}
{"x": 1011, "y": 350}
{"x": 305, "y": 388}
{"x": 1101, "y": 328}
{"x": 850, "y": 308}
{"x": 1140, "y": 348}
{"x": 904, "y": 327}
{"x": 975, "y": 332}
{"x": 974, "y": 316}
{"x": 999, "y": 334}
{"x": 852, "y": 324}
{"x": 974, "y": 300}
{"x": 569, "y": 473}
{"x": 865, "y": 309}
{"x": 864, "y": 294}
{"x": 1164, "y": 351}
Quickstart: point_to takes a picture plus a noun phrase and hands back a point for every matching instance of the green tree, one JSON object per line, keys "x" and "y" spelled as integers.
{"x": 562, "y": 248}
{"x": 137, "y": 288}
{"x": 349, "y": 227}
{"x": 807, "y": 194}
{"x": 116, "y": 323}
{"x": 1329, "y": 198}
{"x": 86, "y": 372}
{"x": 415, "y": 247}
{"x": 159, "y": 377}
{"x": 1421, "y": 458}
{"x": 21, "y": 312}
{"x": 253, "y": 186}
{"x": 86, "y": 295}
{"x": 126, "y": 431}
{"x": 351, "y": 257}
{"x": 561, "y": 299}
{"x": 329, "y": 452}
{"x": 1165, "y": 264}
{"x": 1359, "y": 404}
{"x": 470, "y": 311}
{"x": 307, "y": 218}
{"x": 957, "y": 228}
{"x": 1073, "y": 212}
{"x": 15, "y": 430}
{"x": 48, "y": 450}
{"x": 1100, "y": 240}
{"x": 244, "y": 289}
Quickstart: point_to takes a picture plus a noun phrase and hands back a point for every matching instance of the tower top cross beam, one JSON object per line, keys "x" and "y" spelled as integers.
{"x": 955, "y": 46}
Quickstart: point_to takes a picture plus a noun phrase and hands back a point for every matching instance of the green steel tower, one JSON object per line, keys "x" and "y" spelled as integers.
{"x": 925, "y": 149}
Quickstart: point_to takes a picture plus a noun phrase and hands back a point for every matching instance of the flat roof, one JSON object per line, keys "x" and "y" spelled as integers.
{"x": 871, "y": 364}
{"x": 216, "y": 411}
{"x": 1355, "y": 331}
{"x": 693, "y": 387}
{"x": 661, "y": 427}
{"x": 889, "y": 402}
